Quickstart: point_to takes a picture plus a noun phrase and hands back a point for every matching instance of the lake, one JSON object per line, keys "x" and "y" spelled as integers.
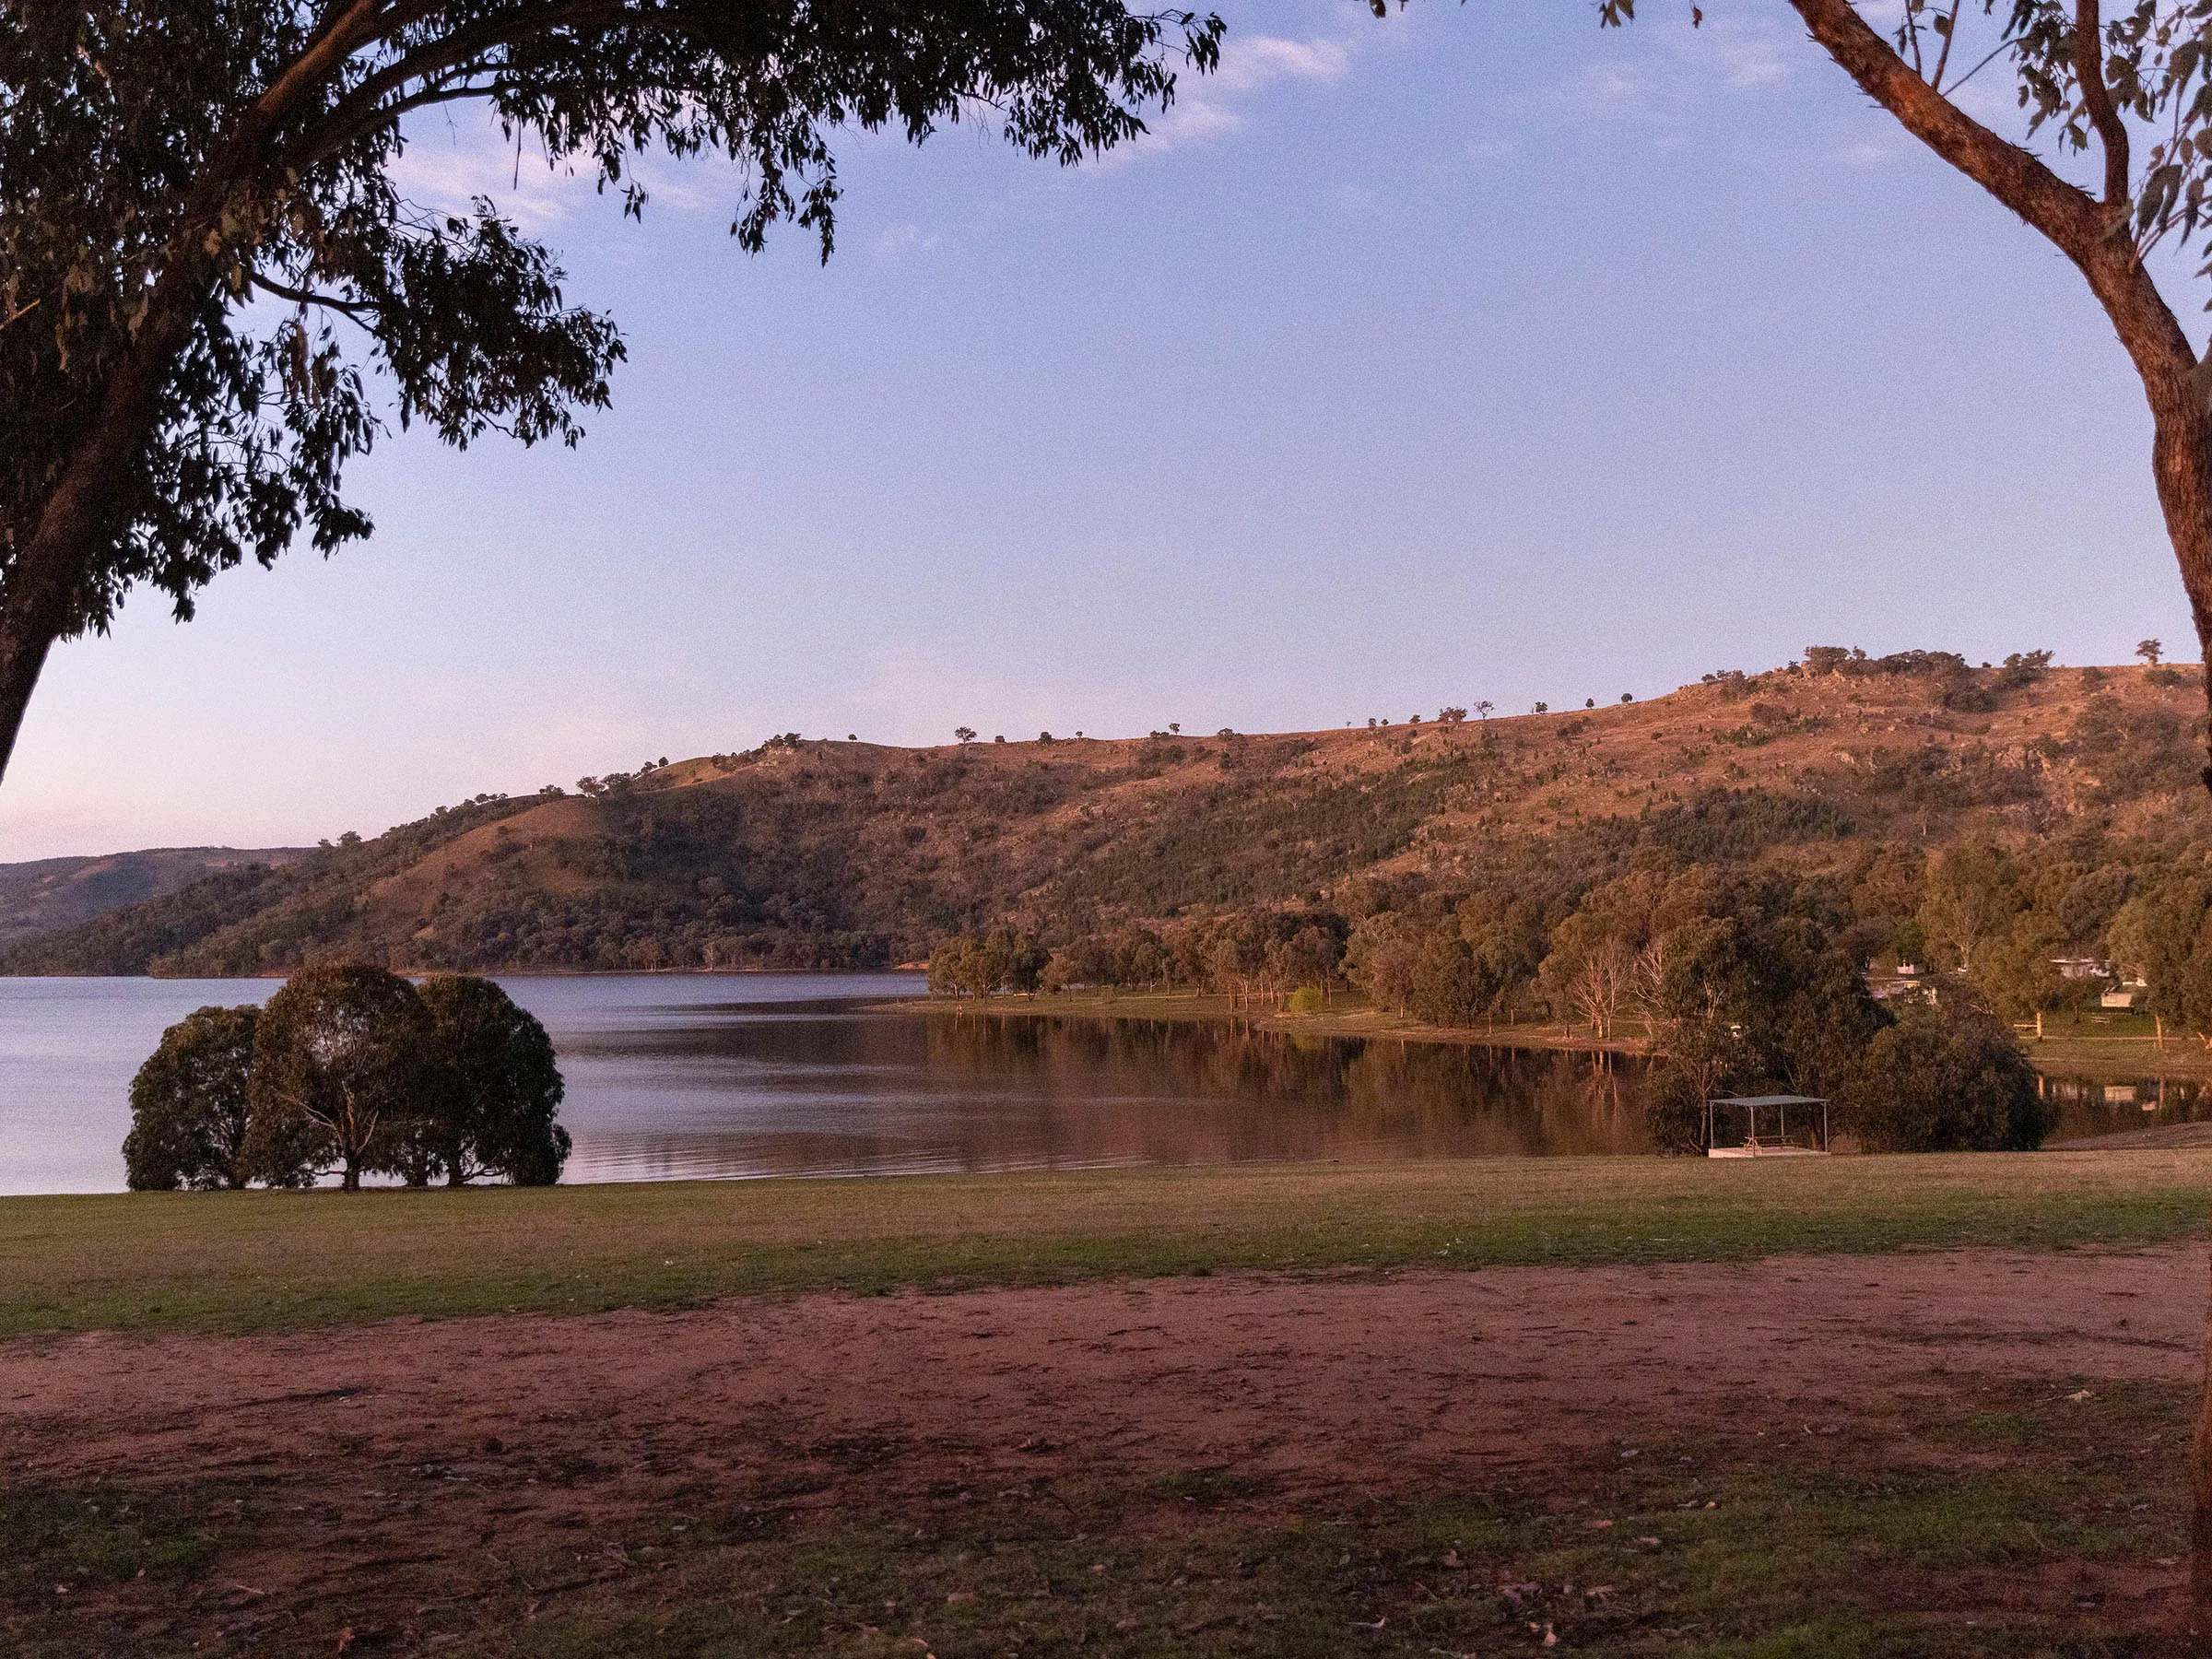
{"x": 732, "y": 1076}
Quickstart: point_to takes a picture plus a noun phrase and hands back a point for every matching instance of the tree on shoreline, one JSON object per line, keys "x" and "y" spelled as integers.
{"x": 189, "y": 1107}
{"x": 206, "y": 264}
{"x": 498, "y": 1089}
{"x": 345, "y": 1056}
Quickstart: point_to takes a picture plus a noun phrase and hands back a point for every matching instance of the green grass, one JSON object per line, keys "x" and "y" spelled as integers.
{"x": 1819, "y": 1548}
{"x": 1906, "y": 1536}
{"x": 265, "y": 1261}
{"x": 84, "y": 1536}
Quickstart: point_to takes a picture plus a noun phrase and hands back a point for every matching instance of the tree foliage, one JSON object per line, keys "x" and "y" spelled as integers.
{"x": 498, "y": 1090}
{"x": 214, "y": 293}
{"x": 189, "y": 1107}
{"x": 344, "y": 1064}
{"x": 1948, "y": 1079}
{"x": 351, "y": 1068}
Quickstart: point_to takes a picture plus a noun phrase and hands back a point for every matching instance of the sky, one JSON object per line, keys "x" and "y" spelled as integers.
{"x": 1472, "y": 354}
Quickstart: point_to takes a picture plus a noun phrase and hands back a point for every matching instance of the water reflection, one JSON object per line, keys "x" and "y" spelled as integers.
{"x": 2094, "y": 1106}
{"x": 827, "y": 1089}
{"x": 768, "y": 1075}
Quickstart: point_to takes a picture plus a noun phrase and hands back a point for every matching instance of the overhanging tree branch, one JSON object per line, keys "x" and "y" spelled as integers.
{"x": 2063, "y": 212}
{"x": 355, "y": 309}
{"x": 2097, "y": 100}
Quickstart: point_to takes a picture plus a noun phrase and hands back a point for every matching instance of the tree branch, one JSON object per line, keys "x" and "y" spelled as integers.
{"x": 2063, "y": 212}
{"x": 362, "y": 109}
{"x": 329, "y": 140}
{"x": 325, "y": 54}
{"x": 2097, "y": 100}
{"x": 1951, "y": 34}
{"x": 351, "y": 308}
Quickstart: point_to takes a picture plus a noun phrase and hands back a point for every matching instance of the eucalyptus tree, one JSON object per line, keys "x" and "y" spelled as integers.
{"x": 214, "y": 293}
{"x": 2126, "y": 101}
{"x": 347, "y": 1065}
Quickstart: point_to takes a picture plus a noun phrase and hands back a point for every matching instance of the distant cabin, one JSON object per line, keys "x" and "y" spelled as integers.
{"x": 1906, "y": 979}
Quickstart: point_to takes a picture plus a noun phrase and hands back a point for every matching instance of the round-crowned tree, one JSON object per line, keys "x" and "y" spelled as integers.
{"x": 499, "y": 1092}
{"x": 345, "y": 1063}
{"x": 1946, "y": 1079}
{"x": 1447, "y": 981}
{"x": 188, "y": 1106}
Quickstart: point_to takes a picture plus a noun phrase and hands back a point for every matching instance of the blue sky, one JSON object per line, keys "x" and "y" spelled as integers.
{"x": 1477, "y": 353}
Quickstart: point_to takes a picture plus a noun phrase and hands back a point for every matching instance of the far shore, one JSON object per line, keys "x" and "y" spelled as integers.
{"x": 2114, "y": 1048}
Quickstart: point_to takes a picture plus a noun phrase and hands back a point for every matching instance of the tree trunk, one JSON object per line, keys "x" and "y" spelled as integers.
{"x": 44, "y": 597}
{"x": 2200, "y": 1518}
{"x": 22, "y": 657}
{"x": 351, "y": 1181}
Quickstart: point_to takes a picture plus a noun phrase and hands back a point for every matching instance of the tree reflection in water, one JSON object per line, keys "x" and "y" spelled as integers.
{"x": 741, "y": 1090}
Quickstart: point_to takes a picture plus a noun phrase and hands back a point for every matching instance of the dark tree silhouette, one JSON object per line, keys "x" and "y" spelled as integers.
{"x": 189, "y": 1108}
{"x": 499, "y": 1090}
{"x": 345, "y": 1060}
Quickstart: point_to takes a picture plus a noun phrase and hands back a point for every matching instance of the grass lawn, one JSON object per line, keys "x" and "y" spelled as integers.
{"x": 263, "y": 1261}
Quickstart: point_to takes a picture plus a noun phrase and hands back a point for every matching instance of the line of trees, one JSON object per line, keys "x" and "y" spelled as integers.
{"x": 351, "y": 1070}
{"x": 1739, "y": 982}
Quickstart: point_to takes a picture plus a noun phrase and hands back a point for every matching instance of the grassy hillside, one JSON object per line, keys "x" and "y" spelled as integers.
{"x": 49, "y": 894}
{"x": 804, "y": 854}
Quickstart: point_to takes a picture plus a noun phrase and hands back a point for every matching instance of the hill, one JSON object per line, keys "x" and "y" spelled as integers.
{"x": 49, "y": 894}
{"x": 812, "y": 855}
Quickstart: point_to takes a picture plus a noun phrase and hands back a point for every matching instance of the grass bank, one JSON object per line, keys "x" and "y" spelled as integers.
{"x": 268, "y": 1261}
{"x": 1346, "y": 1016}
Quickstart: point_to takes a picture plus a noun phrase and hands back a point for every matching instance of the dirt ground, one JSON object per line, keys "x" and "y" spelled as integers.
{"x": 381, "y": 1462}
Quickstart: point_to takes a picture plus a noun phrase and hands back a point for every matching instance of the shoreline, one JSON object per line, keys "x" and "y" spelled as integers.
{"x": 1194, "y": 1008}
{"x": 2072, "y": 1053}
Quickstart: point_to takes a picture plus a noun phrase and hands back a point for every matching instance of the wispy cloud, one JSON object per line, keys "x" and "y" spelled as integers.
{"x": 447, "y": 168}
{"x": 901, "y": 242}
{"x": 1670, "y": 73}
{"x": 1209, "y": 106}
{"x": 449, "y": 163}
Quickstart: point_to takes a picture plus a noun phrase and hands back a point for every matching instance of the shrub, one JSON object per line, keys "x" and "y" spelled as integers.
{"x": 1948, "y": 1079}
{"x": 1674, "y": 1111}
{"x": 188, "y": 1106}
{"x": 1306, "y": 999}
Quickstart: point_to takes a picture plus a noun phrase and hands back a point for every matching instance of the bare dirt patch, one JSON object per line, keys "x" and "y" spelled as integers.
{"x": 409, "y": 1481}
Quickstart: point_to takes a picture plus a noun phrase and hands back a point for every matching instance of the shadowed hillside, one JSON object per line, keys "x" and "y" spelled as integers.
{"x": 814, "y": 854}
{"x": 51, "y": 893}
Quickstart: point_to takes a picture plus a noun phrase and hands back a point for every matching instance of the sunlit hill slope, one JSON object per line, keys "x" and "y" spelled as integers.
{"x": 814, "y": 854}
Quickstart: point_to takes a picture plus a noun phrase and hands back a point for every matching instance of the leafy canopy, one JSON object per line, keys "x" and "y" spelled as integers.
{"x": 212, "y": 286}
{"x": 189, "y": 1105}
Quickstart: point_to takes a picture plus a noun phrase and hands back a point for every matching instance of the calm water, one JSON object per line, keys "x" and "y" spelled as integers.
{"x": 795, "y": 1074}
